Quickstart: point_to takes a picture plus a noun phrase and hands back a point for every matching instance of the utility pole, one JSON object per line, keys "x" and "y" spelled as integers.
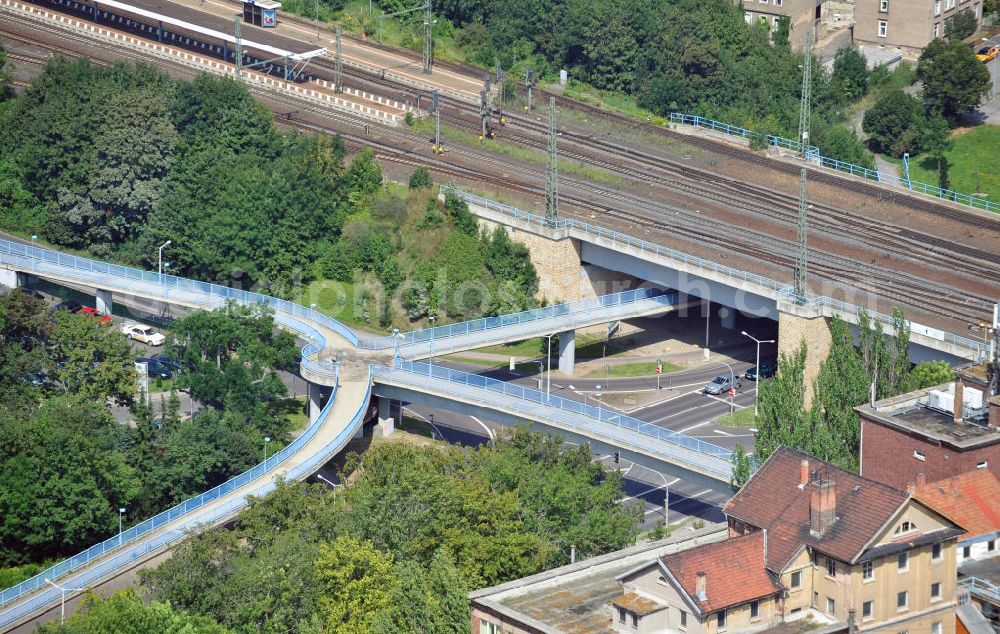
{"x": 288, "y": 68}
{"x": 436, "y": 108}
{"x": 338, "y": 65}
{"x": 529, "y": 80}
{"x": 551, "y": 171}
{"x": 802, "y": 230}
{"x": 501, "y": 77}
{"x": 485, "y": 108}
{"x": 428, "y": 38}
{"x": 317, "y": 20}
{"x": 239, "y": 47}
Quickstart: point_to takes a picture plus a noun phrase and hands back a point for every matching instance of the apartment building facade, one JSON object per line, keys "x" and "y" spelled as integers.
{"x": 906, "y": 26}
{"x": 802, "y": 15}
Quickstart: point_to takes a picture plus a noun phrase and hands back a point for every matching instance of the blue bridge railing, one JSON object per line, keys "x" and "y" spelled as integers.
{"x": 812, "y": 153}
{"x": 583, "y": 416}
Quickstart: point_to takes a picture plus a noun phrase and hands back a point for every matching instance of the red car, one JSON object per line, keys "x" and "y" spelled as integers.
{"x": 103, "y": 320}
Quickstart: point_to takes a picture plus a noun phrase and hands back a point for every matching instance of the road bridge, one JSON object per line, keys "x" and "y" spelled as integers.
{"x": 560, "y": 248}
{"x": 332, "y": 356}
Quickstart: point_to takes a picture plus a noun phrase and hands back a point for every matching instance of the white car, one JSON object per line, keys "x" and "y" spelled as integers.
{"x": 145, "y": 334}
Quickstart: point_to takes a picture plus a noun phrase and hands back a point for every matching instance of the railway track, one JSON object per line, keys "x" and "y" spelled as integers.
{"x": 761, "y": 246}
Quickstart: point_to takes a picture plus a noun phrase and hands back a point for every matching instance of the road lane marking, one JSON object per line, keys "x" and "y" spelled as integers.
{"x": 489, "y": 432}
{"x": 687, "y": 429}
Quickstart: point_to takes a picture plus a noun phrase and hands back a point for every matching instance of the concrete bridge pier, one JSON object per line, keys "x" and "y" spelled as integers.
{"x": 103, "y": 301}
{"x": 315, "y": 402}
{"x": 386, "y": 423}
{"x": 15, "y": 279}
{"x": 727, "y": 318}
{"x": 804, "y": 323}
{"x": 567, "y": 352}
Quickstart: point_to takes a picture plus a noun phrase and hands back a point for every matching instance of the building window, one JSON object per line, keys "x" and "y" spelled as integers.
{"x": 919, "y": 455}
{"x": 754, "y": 609}
{"x": 485, "y": 627}
{"x": 797, "y": 579}
{"x": 831, "y": 606}
{"x": 867, "y": 610}
{"x": 936, "y": 552}
{"x": 906, "y": 527}
{"x": 748, "y": 18}
{"x": 684, "y": 619}
{"x": 868, "y": 570}
{"x": 936, "y": 31}
{"x": 937, "y": 7}
{"x": 720, "y": 619}
{"x": 831, "y": 567}
{"x": 949, "y": 4}
{"x": 936, "y": 591}
{"x": 621, "y": 615}
{"x": 991, "y": 545}
{"x": 902, "y": 600}
{"x": 883, "y": 6}
{"x": 883, "y": 28}
{"x": 778, "y": 3}
{"x": 774, "y": 21}
{"x": 903, "y": 562}
{"x": 966, "y": 552}
{"x": 936, "y": 628}
{"x": 982, "y": 465}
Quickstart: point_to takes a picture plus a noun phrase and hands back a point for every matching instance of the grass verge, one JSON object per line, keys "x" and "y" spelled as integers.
{"x": 638, "y": 368}
{"x": 293, "y": 410}
{"x": 972, "y": 163}
{"x": 740, "y": 418}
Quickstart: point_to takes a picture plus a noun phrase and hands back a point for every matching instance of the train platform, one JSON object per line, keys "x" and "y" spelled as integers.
{"x": 205, "y": 23}
{"x": 356, "y": 53}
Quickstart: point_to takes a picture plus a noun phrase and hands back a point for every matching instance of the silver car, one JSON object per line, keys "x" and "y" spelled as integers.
{"x": 720, "y": 384}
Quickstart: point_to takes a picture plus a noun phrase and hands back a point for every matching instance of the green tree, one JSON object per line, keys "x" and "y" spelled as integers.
{"x": 421, "y": 179}
{"x": 841, "y": 385}
{"x": 929, "y": 374}
{"x": 954, "y": 80}
{"x": 782, "y": 419}
{"x": 894, "y": 123}
{"x": 125, "y": 611}
{"x": 961, "y": 25}
{"x": 742, "y": 468}
{"x": 850, "y": 74}
{"x": 4, "y": 75}
{"x": 450, "y": 596}
{"x": 935, "y": 141}
{"x": 95, "y": 361}
{"x": 356, "y": 579}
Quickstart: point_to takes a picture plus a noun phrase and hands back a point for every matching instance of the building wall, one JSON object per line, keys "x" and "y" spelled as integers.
{"x": 801, "y": 13}
{"x": 502, "y": 624}
{"x": 888, "y": 455}
{"x": 978, "y": 550}
{"x": 800, "y": 599}
{"x": 910, "y": 23}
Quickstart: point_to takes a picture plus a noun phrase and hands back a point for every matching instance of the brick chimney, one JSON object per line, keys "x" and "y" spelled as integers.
{"x": 803, "y": 473}
{"x": 959, "y": 399}
{"x": 911, "y": 488}
{"x": 822, "y": 506}
{"x": 700, "y": 587}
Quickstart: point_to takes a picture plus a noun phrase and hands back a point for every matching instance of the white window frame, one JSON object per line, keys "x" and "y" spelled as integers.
{"x": 938, "y": 596}
{"x": 919, "y": 455}
{"x": 831, "y": 567}
{"x": 754, "y": 607}
{"x": 868, "y": 571}
{"x": 883, "y": 6}
{"x": 905, "y": 561}
{"x": 936, "y": 627}
{"x": 748, "y": 17}
{"x": 791, "y": 581}
{"x": 831, "y": 605}
{"x": 871, "y": 610}
{"x": 906, "y": 601}
{"x": 883, "y": 28}
{"x": 937, "y": 7}
{"x": 778, "y": 3}
{"x": 722, "y": 619}
{"x": 982, "y": 465}
{"x": 937, "y": 30}
{"x": 683, "y": 621}
{"x": 940, "y": 552}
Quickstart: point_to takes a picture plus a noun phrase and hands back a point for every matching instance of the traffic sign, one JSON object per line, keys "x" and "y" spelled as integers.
{"x": 732, "y": 393}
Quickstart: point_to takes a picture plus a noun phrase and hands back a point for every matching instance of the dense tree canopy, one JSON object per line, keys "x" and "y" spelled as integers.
{"x": 954, "y": 80}
{"x": 397, "y": 549}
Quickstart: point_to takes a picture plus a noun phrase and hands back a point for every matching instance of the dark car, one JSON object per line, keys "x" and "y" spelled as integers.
{"x": 155, "y": 369}
{"x": 71, "y": 305}
{"x": 767, "y": 370}
{"x": 168, "y": 361}
{"x": 30, "y": 292}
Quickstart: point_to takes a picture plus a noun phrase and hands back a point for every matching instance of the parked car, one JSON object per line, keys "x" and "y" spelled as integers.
{"x": 988, "y": 53}
{"x": 767, "y": 370}
{"x": 71, "y": 305}
{"x": 30, "y": 292}
{"x": 101, "y": 318}
{"x": 155, "y": 369}
{"x": 168, "y": 361}
{"x": 720, "y": 384}
{"x": 145, "y": 334}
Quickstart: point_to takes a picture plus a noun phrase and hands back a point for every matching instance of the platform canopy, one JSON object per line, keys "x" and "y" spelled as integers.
{"x": 195, "y": 28}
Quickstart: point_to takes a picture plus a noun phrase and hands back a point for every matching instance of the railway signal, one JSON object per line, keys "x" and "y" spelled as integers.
{"x": 529, "y": 80}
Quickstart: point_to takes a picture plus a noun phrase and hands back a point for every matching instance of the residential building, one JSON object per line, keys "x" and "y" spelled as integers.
{"x": 924, "y": 432}
{"x": 972, "y": 500}
{"x": 802, "y": 16}
{"x": 906, "y": 26}
{"x": 852, "y": 548}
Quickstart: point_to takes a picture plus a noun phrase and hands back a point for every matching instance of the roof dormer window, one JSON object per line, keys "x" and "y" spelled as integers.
{"x": 905, "y": 527}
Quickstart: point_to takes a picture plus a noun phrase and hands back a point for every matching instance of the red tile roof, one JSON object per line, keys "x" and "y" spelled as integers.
{"x": 772, "y": 500}
{"x": 971, "y": 500}
{"x": 734, "y": 572}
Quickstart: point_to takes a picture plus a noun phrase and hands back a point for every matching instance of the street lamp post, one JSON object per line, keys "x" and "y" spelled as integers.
{"x": 756, "y": 390}
{"x": 708, "y": 315}
{"x": 267, "y": 439}
{"x": 395, "y": 341}
{"x": 430, "y": 360}
{"x": 548, "y": 366}
{"x": 159, "y": 259}
{"x": 34, "y": 248}
{"x": 121, "y": 512}
{"x": 62, "y": 602}
{"x": 333, "y": 485}
{"x": 732, "y": 386}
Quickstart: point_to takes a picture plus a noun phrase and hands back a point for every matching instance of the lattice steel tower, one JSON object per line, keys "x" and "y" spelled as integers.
{"x": 802, "y": 255}
{"x": 338, "y": 66}
{"x": 551, "y": 171}
{"x": 428, "y": 38}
